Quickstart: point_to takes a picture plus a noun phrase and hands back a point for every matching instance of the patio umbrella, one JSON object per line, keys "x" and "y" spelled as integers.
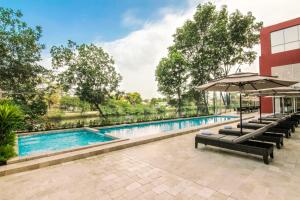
{"x": 278, "y": 91}
{"x": 241, "y": 82}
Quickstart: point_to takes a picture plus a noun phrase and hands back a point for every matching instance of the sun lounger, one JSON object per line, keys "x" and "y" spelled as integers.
{"x": 282, "y": 122}
{"x": 239, "y": 143}
{"x": 276, "y": 138}
{"x": 255, "y": 126}
{"x": 288, "y": 119}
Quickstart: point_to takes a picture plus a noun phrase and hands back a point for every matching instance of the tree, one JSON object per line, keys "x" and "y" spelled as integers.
{"x": 214, "y": 41}
{"x": 19, "y": 69}
{"x": 134, "y": 98}
{"x": 172, "y": 75}
{"x": 89, "y": 72}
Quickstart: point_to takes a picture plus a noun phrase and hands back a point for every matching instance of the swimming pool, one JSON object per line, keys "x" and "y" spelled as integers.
{"x": 144, "y": 129}
{"x": 29, "y": 145}
{"x": 58, "y": 141}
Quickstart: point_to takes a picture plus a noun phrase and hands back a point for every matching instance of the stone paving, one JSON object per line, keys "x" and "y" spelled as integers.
{"x": 167, "y": 169}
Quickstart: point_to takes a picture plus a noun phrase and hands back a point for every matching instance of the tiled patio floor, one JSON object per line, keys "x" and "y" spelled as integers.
{"x": 167, "y": 169}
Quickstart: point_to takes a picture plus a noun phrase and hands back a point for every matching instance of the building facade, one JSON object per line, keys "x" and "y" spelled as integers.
{"x": 280, "y": 55}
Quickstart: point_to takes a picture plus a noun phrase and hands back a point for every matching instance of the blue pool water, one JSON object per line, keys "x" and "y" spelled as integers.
{"x": 138, "y": 130}
{"x": 58, "y": 141}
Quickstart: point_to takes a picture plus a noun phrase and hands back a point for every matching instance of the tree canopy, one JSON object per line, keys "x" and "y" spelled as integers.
{"x": 134, "y": 98}
{"x": 89, "y": 71}
{"x": 20, "y": 71}
{"x": 214, "y": 41}
{"x": 172, "y": 75}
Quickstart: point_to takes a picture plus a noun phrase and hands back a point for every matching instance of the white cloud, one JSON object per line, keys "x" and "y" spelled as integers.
{"x": 131, "y": 20}
{"x": 138, "y": 54}
{"x": 268, "y": 11}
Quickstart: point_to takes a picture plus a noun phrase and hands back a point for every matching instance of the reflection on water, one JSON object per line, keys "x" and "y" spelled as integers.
{"x": 138, "y": 130}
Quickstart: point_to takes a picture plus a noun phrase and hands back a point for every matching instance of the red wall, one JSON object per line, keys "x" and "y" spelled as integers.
{"x": 268, "y": 60}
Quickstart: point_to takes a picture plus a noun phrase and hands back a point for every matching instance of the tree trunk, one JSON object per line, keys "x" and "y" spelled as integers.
{"x": 179, "y": 102}
{"x": 214, "y": 101}
{"x": 101, "y": 114}
{"x": 205, "y": 100}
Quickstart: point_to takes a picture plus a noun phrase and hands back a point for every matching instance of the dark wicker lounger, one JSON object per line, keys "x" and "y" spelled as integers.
{"x": 278, "y": 129}
{"x": 239, "y": 143}
{"x": 285, "y": 130}
{"x": 287, "y": 120}
{"x": 276, "y": 138}
{"x": 282, "y": 122}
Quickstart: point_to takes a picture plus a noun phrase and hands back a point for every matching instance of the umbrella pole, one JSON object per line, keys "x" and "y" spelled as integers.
{"x": 274, "y": 106}
{"x": 260, "y": 108}
{"x": 281, "y": 109}
{"x": 283, "y": 106}
{"x": 241, "y": 113}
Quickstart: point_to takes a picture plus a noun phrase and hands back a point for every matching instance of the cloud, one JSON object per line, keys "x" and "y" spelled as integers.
{"x": 138, "y": 54}
{"x": 268, "y": 11}
{"x": 130, "y": 20}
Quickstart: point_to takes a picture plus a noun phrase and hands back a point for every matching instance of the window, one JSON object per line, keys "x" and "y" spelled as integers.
{"x": 288, "y": 72}
{"x": 277, "y": 38}
{"x": 291, "y": 34}
{"x": 286, "y": 39}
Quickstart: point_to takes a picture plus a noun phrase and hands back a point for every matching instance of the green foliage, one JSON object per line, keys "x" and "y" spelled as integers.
{"x": 133, "y": 98}
{"x": 90, "y": 72}
{"x": 6, "y": 152}
{"x": 19, "y": 69}
{"x": 10, "y": 118}
{"x": 172, "y": 75}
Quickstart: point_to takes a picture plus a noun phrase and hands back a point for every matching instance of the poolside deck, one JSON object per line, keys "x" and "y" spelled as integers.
{"x": 166, "y": 169}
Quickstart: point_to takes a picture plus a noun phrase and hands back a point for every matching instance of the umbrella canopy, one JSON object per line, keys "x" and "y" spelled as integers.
{"x": 279, "y": 91}
{"x": 275, "y": 91}
{"x": 241, "y": 82}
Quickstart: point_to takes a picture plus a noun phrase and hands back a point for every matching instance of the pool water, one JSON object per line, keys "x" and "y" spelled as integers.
{"x": 144, "y": 129}
{"x": 58, "y": 141}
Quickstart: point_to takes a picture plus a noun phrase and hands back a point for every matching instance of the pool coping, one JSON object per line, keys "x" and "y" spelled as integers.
{"x": 12, "y": 168}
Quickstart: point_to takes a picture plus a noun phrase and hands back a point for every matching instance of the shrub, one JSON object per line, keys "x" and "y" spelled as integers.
{"x": 6, "y": 152}
{"x": 10, "y": 118}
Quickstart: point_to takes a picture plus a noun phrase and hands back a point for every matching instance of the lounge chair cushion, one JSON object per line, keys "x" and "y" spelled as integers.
{"x": 206, "y": 132}
{"x": 212, "y": 136}
{"x": 227, "y": 127}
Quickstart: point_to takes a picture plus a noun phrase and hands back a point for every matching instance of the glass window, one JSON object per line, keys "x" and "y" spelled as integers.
{"x": 291, "y": 34}
{"x": 286, "y": 39}
{"x": 291, "y": 46}
{"x": 278, "y": 48}
{"x": 277, "y": 38}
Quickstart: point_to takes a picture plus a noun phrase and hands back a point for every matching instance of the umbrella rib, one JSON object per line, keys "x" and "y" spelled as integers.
{"x": 253, "y": 86}
{"x": 209, "y": 87}
{"x": 227, "y": 88}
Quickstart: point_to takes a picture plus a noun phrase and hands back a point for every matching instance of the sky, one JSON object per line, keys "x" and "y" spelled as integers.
{"x": 136, "y": 33}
